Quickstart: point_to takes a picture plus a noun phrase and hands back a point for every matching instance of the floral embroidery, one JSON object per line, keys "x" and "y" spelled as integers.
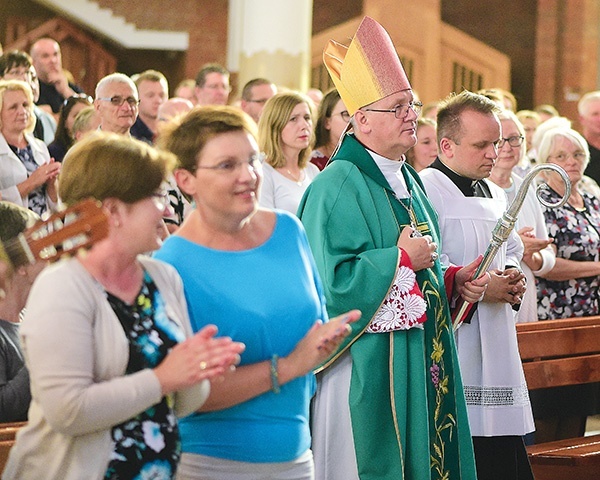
{"x": 403, "y": 308}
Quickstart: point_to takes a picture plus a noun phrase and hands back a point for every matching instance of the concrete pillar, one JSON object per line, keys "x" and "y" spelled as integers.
{"x": 271, "y": 39}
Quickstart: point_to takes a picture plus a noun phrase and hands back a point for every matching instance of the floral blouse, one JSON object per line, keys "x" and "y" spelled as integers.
{"x": 147, "y": 445}
{"x": 37, "y": 197}
{"x": 576, "y": 236}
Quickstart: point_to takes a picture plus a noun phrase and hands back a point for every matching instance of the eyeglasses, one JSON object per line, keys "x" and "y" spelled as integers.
{"x": 563, "y": 156}
{"x": 261, "y": 101}
{"x": 161, "y": 199}
{"x": 230, "y": 166}
{"x": 344, "y": 114}
{"x": 400, "y": 111}
{"x": 78, "y": 96}
{"x": 515, "y": 141}
{"x": 117, "y": 101}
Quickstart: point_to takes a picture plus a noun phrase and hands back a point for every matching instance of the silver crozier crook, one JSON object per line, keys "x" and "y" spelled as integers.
{"x": 506, "y": 224}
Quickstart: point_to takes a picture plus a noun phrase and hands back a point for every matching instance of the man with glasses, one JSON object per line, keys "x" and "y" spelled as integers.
{"x": 389, "y": 402}
{"x": 116, "y": 103}
{"x": 468, "y": 206}
{"x": 212, "y": 85}
{"x": 254, "y": 96}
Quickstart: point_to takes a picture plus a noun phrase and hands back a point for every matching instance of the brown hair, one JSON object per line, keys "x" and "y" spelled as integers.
{"x": 451, "y": 109}
{"x": 123, "y": 168}
{"x": 186, "y": 136}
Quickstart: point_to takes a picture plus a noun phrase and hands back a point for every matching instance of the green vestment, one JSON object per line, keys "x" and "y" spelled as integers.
{"x": 406, "y": 400}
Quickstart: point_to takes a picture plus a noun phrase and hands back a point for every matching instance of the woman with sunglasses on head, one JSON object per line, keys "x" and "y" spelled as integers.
{"x": 106, "y": 335}
{"x": 285, "y": 136}
{"x": 332, "y": 121}
{"x": 250, "y": 271}
{"x": 63, "y": 139}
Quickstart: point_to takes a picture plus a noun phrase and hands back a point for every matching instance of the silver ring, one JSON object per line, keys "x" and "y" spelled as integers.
{"x": 434, "y": 256}
{"x": 203, "y": 365}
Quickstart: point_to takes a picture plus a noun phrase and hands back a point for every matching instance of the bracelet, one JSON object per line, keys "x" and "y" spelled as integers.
{"x": 274, "y": 375}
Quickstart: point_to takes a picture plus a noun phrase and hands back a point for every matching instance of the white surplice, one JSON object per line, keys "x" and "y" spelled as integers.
{"x": 495, "y": 389}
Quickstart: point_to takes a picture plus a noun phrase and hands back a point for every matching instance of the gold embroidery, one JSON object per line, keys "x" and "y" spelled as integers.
{"x": 437, "y": 375}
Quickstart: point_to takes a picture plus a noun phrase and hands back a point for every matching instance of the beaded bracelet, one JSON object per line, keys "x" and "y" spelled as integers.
{"x": 274, "y": 375}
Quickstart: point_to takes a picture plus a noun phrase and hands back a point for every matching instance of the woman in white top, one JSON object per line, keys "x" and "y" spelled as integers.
{"x": 539, "y": 257}
{"x": 285, "y": 136}
{"x": 27, "y": 173}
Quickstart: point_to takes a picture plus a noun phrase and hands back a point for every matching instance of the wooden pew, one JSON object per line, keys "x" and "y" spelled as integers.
{"x": 7, "y": 440}
{"x": 557, "y": 353}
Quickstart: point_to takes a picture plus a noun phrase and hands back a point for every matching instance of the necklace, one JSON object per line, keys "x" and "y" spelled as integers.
{"x": 298, "y": 180}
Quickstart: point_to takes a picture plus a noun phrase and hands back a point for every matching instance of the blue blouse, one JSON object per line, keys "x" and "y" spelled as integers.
{"x": 267, "y": 297}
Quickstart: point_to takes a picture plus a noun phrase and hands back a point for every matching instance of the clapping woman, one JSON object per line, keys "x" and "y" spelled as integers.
{"x": 27, "y": 173}
{"x": 105, "y": 334}
{"x": 250, "y": 271}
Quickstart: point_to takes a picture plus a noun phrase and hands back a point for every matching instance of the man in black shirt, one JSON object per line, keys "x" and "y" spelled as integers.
{"x": 54, "y": 86}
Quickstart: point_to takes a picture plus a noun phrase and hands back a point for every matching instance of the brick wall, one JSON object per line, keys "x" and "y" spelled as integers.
{"x": 507, "y": 26}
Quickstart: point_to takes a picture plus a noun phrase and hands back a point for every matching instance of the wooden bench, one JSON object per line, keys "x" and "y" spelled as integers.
{"x": 557, "y": 353}
{"x": 8, "y": 432}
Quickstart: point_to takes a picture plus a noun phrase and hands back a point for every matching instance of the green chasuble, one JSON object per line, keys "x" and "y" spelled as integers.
{"x": 407, "y": 405}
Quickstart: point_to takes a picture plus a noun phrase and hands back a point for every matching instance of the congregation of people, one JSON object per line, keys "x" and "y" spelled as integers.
{"x": 275, "y": 296}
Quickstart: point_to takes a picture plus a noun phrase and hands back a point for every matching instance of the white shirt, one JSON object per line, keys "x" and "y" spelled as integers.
{"x": 280, "y": 192}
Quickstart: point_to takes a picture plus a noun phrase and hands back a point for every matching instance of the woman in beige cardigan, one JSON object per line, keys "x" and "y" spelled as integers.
{"x": 105, "y": 334}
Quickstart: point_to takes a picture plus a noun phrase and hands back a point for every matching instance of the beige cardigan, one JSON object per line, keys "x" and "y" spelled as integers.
{"x": 77, "y": 353}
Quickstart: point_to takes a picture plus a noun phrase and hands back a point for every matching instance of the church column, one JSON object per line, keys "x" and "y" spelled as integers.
{"x": 271, "y": 39}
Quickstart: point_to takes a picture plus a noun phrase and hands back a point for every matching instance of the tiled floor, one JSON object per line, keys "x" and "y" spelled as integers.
{"x": 593, "y": 425}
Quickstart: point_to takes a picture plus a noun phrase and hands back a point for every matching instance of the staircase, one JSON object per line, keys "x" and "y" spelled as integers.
{"x": 103, "y": 22}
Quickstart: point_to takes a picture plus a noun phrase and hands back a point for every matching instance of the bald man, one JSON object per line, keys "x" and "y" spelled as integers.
{"x": 54, "y": 86}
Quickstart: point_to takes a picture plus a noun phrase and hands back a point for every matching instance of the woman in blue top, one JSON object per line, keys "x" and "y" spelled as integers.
{"x": 250, "y": 272}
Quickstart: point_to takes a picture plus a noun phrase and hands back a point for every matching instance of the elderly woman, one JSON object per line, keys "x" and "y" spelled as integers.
{"x": 105, "y": 334}
{"x": 570, "y": 289}
{"x": 27, "y": 173}
{"x": 63, "y": 140}
{"x": 332, "y": 121}
{"x": 425, "y": 150}
{"x": 250, "y": 271}
{"x": 285, "y": 136}
{"x": 539, "y": 256}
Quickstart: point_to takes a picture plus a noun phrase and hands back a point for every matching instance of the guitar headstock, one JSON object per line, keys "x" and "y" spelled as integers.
{"x": 65, "y": 232}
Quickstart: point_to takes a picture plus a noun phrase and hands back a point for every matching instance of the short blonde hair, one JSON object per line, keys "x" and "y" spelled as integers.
{"x": 82, "y": 121}
{"x": 18, "y": 86}
{"x": 106, "y": 165}
{"x": 275, "y": 116}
